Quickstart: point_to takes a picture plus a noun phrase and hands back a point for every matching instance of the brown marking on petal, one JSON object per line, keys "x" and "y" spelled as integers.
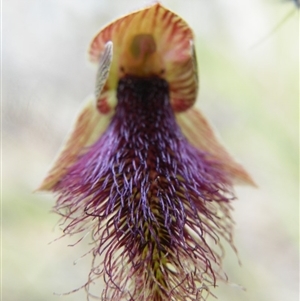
{"x": 88, "y": 127}
{"x": 102, "y": 106}
{"x": 106, "y": 101}
{"x": 173, "y": 51}
{"x": 142, "y": 45}
{"x": 201, "y": 135}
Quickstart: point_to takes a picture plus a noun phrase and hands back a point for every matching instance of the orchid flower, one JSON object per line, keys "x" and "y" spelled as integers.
{"x": 142, "y": 169}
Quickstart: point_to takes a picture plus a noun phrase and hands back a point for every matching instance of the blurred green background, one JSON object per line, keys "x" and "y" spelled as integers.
{"x": 249, "y": 91}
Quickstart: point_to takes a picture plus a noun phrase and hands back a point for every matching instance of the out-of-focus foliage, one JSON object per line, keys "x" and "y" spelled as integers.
{"x": 250, "y": 94}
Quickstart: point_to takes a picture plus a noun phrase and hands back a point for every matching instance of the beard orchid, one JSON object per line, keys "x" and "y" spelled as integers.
{"x": 143, "y": 171}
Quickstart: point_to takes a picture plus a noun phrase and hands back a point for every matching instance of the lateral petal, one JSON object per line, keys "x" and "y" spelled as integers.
{"x": 201, "y": 135}
{"x": 89, "y": 126}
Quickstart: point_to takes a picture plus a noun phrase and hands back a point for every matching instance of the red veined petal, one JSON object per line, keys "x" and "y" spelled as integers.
{"x": 152, "y": 41}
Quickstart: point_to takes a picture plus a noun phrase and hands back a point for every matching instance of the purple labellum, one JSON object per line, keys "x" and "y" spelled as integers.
{"x": 152, "y": 201}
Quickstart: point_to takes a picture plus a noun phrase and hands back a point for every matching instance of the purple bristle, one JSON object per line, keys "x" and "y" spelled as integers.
{"x": 152, "y": 200}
